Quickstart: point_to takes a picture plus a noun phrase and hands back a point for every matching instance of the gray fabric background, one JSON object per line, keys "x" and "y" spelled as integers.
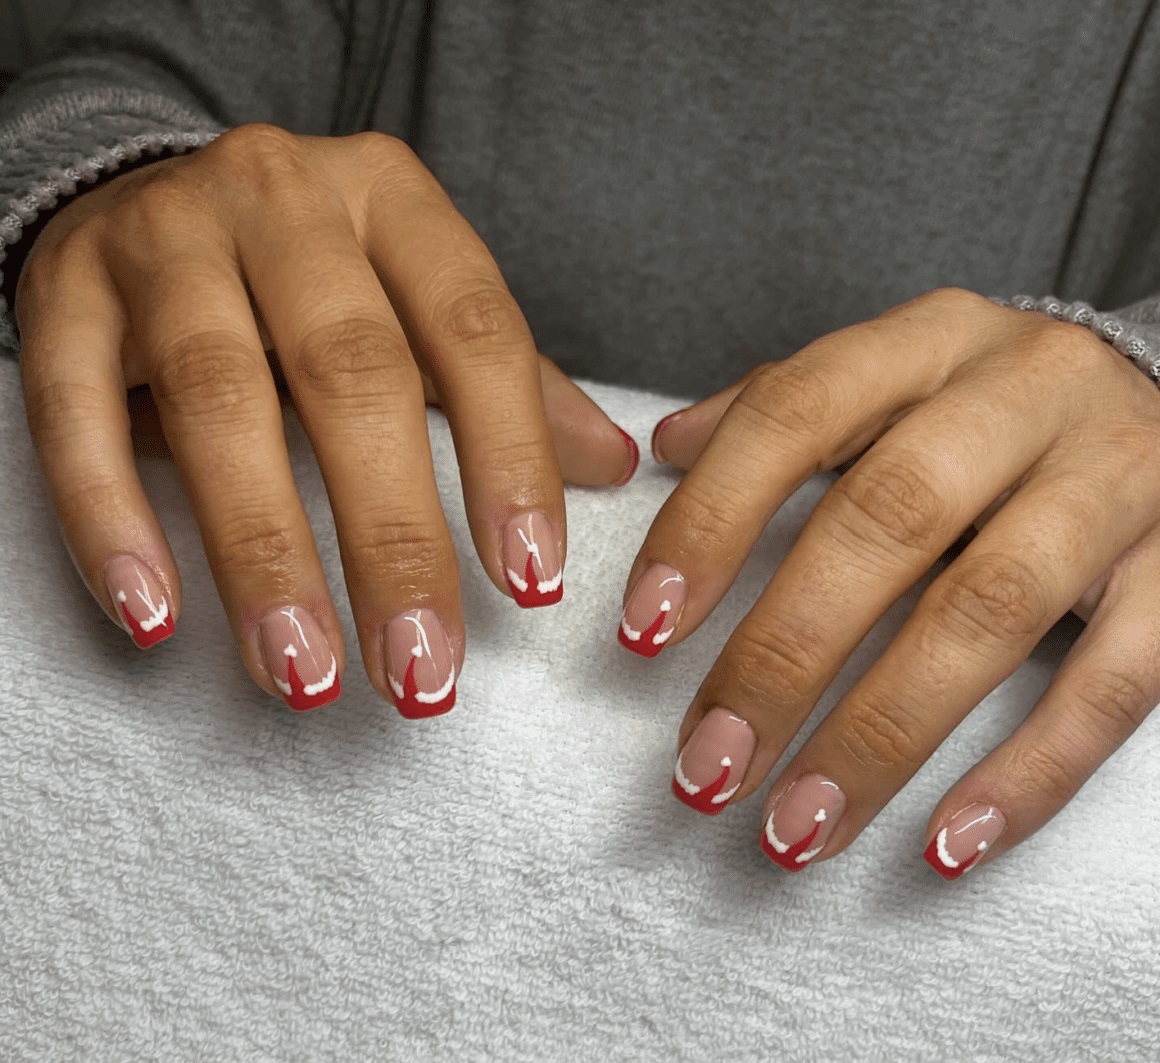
{"x": 676, "y": 191}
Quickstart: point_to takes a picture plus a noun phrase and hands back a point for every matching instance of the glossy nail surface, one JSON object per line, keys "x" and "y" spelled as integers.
{"x": 658, "y": 430}
{"x": 531, "y": 561}
{"x": 653, "y": 610}
{"x": 712, "y": 764}
{"x": 141, "y": 604}
{"x": 802, "y": 821}
{"x": 955, "y": 849}
{"x": 299, "y": 658}
{"x": 420, "y": 664}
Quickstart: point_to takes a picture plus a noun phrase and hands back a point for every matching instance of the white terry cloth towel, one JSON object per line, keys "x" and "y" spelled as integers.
{"x": 189, "y": 871}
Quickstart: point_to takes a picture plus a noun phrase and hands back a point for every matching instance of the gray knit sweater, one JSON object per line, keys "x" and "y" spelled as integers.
{"x": 675, "y": 190}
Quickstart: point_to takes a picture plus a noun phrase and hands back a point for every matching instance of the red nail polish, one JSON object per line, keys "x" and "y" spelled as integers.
{"x": 299, "y": 658}
{"x": 140, "y": 601}
{"x": 652, "y": 611}
{"x": 802, "y": 821}
{"x": 955, "y": 849}
{"x": 532, "y": 561}
{"x": 712, "y": 764}
{"x": 420, "y": 664}
{"x": 634, "y": 457}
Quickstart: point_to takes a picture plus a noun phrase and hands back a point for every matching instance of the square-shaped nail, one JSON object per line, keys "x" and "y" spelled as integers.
{"x": 299, "y": 658}
{"x": 713, "y": 761}
{"x": 140, "y": 600}
{"x": 653, "y": 610}
{"x": 531, "y": 561}
{"x": 420, "y": 664}
{"x": 802, "y": 821}
{"x": 955, "y": 849}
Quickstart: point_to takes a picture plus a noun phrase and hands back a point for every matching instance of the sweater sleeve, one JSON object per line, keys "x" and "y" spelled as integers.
{"x": 1132, "y": 330}
{"x": 128, "y": 81}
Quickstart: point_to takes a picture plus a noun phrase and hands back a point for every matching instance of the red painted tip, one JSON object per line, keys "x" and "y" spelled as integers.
{"x": 533, "y": 598}
{"x": 949, "y": 873}
{"x": 634, "y": 457}
{"x": 702, "y": 800}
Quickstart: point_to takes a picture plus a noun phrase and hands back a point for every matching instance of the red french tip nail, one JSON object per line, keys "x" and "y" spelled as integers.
{"x": 531, "y": 561}
{"x": 658, "y": 457}
{"x": 634, "y": 455}
{"x": 956, "y": 848}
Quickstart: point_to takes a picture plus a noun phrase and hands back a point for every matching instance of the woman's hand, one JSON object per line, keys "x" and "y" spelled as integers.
{"x": 1033, "y": 429}
{"x": 347, "y": 259}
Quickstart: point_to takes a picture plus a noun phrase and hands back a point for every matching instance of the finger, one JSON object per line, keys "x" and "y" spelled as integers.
{"x": 972, "y": 627}
{"x": 80, "y": 428}
{"x": 679, "y": 437}
{"x": 1106, "y": 686}
{"x": 359, "y": 395}
{"x": 469, "y": 336}
{"x": 873, "y": 536}
{"x": 190, "y": 315}
{"x": 793, "y": 419}
{"x": 593, "y": 451}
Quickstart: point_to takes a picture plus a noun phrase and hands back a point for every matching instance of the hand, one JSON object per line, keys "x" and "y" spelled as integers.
{"x": 1034, "y": 429}
{"x": 347, "y": 259}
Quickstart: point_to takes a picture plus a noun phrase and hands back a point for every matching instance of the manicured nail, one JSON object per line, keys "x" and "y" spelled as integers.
{"x": 140, "y": 600}
{"x": 661, "y": 425}
{"x": 420, "y": 664}
{"x": 955, "y": 849}
{"x": 715, "y": 757}
{"x": 802, "y": 821}
{"x": 633, "y": 457}
{"x": 299, "y": 658}
{"x": 532, "y": 561}
{"x": 653, "y": 610}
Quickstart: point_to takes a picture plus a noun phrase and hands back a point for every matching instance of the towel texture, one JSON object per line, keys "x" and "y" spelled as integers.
{"x": 190, "y": 872}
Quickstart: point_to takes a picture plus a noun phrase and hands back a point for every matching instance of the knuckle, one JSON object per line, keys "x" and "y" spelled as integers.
{"x": 251, "y": 543}
{"x": 405, "y": 552}
{"x": 56, "y": 408}
{"x": 1114, "y": 704}
{"x": 254, "y": 142}
{"x": 207, "y": 371}
{"x": 776, "y": 665}
{"x": 884, "y": 500}
{"x": 701, "y": 517}
{"x": 880, "y": 732}
{"x": 789, "y": 398}
{"x": 994, "y": 595}
{"x": 1046, "y": 771}
{"x": 482, "y": 315}
{"x": 382, "y": 148}
{"x": 348, "y": 358}
{"x": 954, "y": 301}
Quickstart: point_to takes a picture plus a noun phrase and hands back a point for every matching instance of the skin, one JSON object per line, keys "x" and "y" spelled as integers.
{"x": 952, "y": 412}
{"x": 333, "y": 273}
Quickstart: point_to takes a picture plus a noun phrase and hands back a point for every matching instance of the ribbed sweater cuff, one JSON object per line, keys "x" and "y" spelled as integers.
{"x": 72, "y": 139}
{"x": 1134, "y": 330}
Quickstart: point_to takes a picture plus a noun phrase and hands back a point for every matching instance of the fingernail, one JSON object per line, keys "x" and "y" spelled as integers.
{"x": 299, "y": 658}
{"x": 969, "y": 834}
{"x": 532, "y": 561}
{"x": 661, "y": 425}
{"x": 420, "y": 664}
{"x": 633, "y": 457}
{"x": 140, "y": 600}
{"x": 802, "y": 821}
{"x": 715, "y": 757}
{"x": 653, "y": 610}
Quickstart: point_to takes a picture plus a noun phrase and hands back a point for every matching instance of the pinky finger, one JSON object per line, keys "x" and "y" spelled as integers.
{"x": 76, "y": 405}
{"x": 1105, "y": 688}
